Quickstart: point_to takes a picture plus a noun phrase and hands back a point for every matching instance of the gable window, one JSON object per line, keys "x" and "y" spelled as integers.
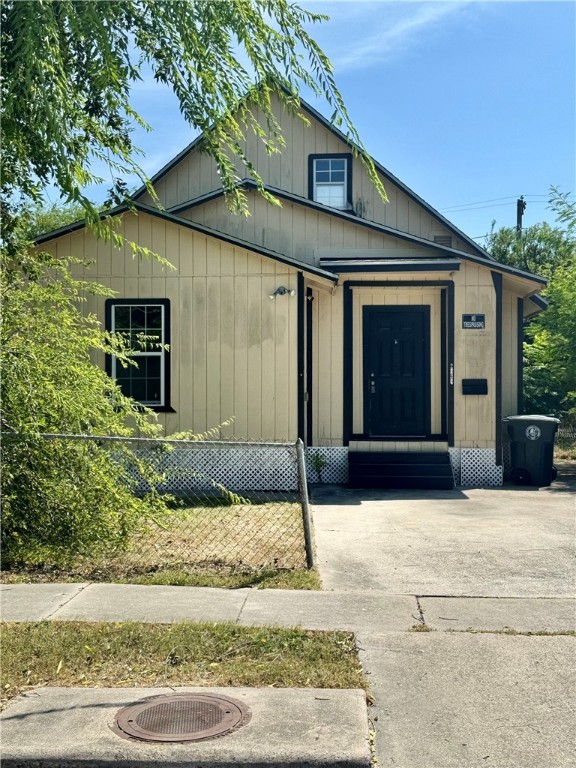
{"x": 145, "y": 326}
{"x": 330, "y": 180}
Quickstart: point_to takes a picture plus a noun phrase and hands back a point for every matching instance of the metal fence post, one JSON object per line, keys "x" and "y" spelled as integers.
{"x": 303, "y": 488}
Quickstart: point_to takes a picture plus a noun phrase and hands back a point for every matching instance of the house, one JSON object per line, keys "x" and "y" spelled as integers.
{"x": 361, "y": 327}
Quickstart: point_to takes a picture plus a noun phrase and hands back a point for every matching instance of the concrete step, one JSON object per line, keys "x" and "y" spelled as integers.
{"x": 391, "y": 457}
{"x": 402, "y": 483}
{"x": 403, "y": 470}
{"x": 372, "y": 469}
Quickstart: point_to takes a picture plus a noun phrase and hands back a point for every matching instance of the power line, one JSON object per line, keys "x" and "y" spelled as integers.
{"x": 480, "y": 207}
{"x": 479, "y": 202}
{"x": 543, "y": 198}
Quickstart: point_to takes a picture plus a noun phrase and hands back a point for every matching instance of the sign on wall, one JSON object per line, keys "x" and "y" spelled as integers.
{"x": 474, "y": 322}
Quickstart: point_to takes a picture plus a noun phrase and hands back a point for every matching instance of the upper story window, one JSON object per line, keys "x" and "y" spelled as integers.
{"x": 330, "y": 180}
{"x": 145, "y": 326}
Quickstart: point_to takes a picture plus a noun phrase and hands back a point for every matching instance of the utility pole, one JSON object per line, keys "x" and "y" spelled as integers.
{"x": 520, "y": 208}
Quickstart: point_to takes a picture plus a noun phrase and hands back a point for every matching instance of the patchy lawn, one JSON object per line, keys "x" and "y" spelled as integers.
{"x": 210, "y": 544}
{"x": 133, "y": 654}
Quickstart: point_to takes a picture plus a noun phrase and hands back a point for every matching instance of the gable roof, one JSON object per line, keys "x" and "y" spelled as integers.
{"x": 235, "y": 241}
{"x": 356, "y": 149}
{"x": 446, "y": 251}
{"x": 395, "y": 180}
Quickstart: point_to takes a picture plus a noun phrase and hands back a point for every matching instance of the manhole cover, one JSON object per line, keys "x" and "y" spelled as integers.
{"x": 180, "y": 717}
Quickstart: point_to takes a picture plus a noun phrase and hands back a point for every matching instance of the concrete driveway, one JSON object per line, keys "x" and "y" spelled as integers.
{"x": 484, "y": 542}
{"x": 487, "y": 677}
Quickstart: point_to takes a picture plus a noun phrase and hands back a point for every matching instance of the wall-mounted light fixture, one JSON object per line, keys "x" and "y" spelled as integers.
{"x": 282, "y": 291}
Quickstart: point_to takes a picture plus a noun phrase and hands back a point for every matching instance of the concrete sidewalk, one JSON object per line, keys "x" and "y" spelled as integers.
{"x": 444, "y": 699}
{"x": 359, "y": 612}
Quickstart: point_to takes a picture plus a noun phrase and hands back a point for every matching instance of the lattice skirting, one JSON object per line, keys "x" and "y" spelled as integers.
{"x": 238, "y": 468}
{"x": 274, "y": 468}
{"x": 243, "y": 468}
{"x": 475, "y": 467}
{"x": 327, "y": 465}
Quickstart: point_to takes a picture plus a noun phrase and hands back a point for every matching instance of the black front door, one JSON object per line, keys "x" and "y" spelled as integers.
{"x": 396, "y": 371}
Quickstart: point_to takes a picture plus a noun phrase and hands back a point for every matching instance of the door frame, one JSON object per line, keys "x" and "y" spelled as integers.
{"x": 372, "y": 310}
{"x": 447, "y": 291}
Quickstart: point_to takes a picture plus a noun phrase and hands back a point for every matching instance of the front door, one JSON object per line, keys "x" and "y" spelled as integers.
{"x": 396, "y": 371}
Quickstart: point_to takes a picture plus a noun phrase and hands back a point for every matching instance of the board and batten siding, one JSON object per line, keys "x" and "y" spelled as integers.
{"x": 509, "y": 353}
{"x": 233, "y": 351}
{"x": 196, "y": 175}
{"x": 297, "y": 231}
{"x": 327, "y": 367}
{"x": 474, "y": 358}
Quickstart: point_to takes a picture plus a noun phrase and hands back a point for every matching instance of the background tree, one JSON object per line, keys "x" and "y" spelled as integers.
{"x": 550, "y": 338}
{"x": 39, "y": 218}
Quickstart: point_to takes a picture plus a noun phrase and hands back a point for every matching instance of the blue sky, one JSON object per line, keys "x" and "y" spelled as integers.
{"x": 470, "y": 104}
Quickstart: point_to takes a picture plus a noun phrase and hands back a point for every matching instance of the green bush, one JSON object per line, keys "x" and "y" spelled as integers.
{"x": 62, "y": 496}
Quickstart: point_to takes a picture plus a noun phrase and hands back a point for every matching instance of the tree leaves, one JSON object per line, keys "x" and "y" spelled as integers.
{"x": 68, "y": 68}
{"x": 550, "y": 346}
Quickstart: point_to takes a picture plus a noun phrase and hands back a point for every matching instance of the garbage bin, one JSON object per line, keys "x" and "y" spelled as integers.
{"x": 532, "y": 449}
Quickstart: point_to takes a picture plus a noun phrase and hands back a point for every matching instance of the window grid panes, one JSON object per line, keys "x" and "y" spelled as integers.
{"x": 330, "y": 182}
{"x": 142, "y": 326}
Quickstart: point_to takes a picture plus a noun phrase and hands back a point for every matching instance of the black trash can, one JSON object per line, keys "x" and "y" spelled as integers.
{"x": 532, "y": 449}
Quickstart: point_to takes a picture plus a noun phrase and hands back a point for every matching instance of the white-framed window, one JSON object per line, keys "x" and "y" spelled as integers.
{"x": 144, "y": 325}
{"x": 330, "y": 180}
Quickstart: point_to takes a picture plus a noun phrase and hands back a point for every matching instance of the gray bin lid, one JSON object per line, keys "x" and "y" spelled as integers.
{"x": 533, "y": 418}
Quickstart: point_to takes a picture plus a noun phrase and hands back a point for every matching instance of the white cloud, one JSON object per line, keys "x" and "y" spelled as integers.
{"x": 364, "y": 34}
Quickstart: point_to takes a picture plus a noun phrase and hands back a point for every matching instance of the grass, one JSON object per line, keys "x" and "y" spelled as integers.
{"x": 211, "y": 544}
{"x": 133, "y": 654}
{"x": 565, "y": 450}
{"x": 207, "y": 575}
{"x": 264, "y": 579}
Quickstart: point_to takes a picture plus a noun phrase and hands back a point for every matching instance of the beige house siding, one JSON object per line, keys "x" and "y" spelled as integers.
{"x": 297, "y": 231}
{"x": 475, "y": 358}
{"x": 509, "y": 353}
{"x": 328, "y": 368}
{"x": 195, "y": 175}
{"x": 233, "y": 350}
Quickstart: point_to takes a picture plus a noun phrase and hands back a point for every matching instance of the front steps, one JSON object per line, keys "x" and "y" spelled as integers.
{"x": 372, "y": 469}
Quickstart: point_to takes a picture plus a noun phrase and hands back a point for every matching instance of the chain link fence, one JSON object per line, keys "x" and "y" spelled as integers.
{"x": 200, "y": 504}
{"x": 567, "y": 432}
{"x": 566, "y": 439}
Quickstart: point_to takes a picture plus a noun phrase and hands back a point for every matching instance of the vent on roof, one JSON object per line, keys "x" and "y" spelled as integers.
{"x": 443, "y": 240}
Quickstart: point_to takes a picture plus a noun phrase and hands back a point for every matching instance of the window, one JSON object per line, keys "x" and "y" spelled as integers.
{"x": 144, "y": 324}
{"x": 330, "y": 180}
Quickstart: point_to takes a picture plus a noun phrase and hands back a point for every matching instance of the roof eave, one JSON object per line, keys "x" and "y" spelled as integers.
{"x": 486, "y": 260}
{"x": 152, "y": 211}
